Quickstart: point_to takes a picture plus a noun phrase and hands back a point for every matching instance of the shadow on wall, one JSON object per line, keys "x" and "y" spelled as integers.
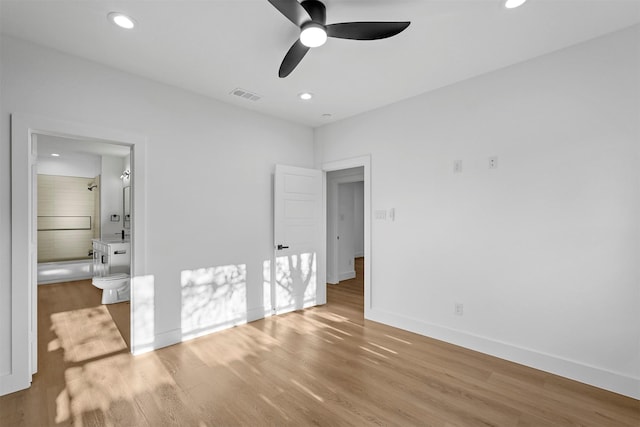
{"x": 215, "y": 298}
{"x": 296, "y": 281}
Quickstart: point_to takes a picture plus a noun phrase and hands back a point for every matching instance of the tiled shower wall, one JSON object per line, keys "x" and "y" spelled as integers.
{"x": 67, "y": 217}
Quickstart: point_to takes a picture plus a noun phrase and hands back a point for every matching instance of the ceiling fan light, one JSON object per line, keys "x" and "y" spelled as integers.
{"x": 512, "y": 4}
{"x": 313, "y": 35}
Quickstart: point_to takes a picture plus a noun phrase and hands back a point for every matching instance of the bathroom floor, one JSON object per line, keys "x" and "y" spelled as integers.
{"x": 69, "y": 314}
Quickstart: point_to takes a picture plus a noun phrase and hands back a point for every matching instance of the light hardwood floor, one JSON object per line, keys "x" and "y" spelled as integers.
{"x": 321, "y": 366}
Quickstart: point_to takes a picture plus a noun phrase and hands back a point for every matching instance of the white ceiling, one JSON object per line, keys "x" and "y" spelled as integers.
{"x": 213, "y": 46}
{"x": 69, "y": 147}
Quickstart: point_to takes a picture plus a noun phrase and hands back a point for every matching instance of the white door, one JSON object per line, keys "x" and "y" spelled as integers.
{"x": 299, "y": 239}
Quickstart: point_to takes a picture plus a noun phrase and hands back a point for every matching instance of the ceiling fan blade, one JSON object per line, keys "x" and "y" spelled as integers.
{"x": 366, "y": 30}
{"x": 292, "y": 58}
{"x": 292, "y": 10}
{"x": 316, "y": 10}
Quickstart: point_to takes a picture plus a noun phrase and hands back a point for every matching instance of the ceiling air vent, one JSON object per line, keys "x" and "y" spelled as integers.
{"x": 242, "y": 93}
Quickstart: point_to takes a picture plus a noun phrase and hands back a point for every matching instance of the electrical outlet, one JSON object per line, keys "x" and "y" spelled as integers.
{"x": 457, "y": 166}
{"x": 459, "y": 309}
{"x": 493, "y": 162}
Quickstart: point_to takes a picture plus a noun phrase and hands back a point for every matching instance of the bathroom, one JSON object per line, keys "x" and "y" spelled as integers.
{"x": 83, "y": 205}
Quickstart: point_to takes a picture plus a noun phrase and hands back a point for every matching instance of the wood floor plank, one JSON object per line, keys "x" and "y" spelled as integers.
{"x": 322, "y": 366}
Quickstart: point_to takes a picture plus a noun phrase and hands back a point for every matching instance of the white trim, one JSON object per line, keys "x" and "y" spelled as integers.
{"x": 612, "y": 381}
{"x": 164, "y": 339}
{"x": 364, "y": 161}
{"x": 347, "y": 275}
{"x": 258, "y": 313}
{"x": 23, "y": 126}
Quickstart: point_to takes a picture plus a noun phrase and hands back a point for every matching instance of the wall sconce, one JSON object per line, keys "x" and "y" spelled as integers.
{"x": 125, "y": 174}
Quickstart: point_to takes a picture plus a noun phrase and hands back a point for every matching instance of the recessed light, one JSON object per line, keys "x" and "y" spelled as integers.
{"x": 326, "y": 116}
{"x": 512, "y": 4}
{"x": 121, "y": 20}
{"x": 55, "y": 155}
{"x": 305, "y": 96}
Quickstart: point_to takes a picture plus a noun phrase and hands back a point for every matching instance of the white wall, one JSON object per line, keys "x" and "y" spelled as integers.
{"x": 346, "y": 221}
{"x": 358, "y": 220}
{"x": 111, "y": 196}
{"x": 217, "y": 212}
{"x": 350, "y": 227}
{"x": 542, "y": 251}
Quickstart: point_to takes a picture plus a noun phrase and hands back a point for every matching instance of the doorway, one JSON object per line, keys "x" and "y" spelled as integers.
{"x": 25, "y": 129}
{"x": 345, "y": 222}
{"x": 82, "y": 194}
{"x": 348, "y": 221}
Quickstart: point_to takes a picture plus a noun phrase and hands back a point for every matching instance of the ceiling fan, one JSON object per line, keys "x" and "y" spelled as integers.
{"x": 311, "y": 17}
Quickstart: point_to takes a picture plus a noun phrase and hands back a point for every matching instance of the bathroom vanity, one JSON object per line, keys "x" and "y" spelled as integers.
{"x": 111, "y": 256}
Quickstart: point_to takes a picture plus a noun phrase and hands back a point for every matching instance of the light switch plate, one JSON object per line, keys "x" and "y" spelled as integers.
{"x": 457, "y": 166}
{"x": 381, "y": 214}
{"x": 493, "y": 162}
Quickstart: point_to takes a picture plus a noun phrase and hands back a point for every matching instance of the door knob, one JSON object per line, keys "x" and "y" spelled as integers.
{"x": 281, "y": 247}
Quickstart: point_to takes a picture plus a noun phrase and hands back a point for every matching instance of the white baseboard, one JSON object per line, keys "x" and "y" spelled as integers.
{"x": 347, "y": 275}
{"x": 612, "y": 381}
{"x": 258, "y": 313}
{"x": 10, "y": 383}
{"x": 67, "y": 279}
{"x": 165, "y": 339}
{"x": 176, "y": 336}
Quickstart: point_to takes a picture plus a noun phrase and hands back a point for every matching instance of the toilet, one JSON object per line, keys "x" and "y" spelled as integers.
{"x": 115, "y": 287}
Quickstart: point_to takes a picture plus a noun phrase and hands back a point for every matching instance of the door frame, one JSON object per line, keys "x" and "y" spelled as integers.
{"x": 23, "y": 225}
{"x": 362, "y": 161}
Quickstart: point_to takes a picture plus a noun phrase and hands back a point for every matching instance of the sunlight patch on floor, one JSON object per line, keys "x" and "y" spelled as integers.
{"x": 85, "y": 333}
{"x": 331, "y": 316}
{"x": 397, "y": 339}
{"x": 100, "y": 372}
{"x": 306, "y": 389}
{"x": 374, "y": 352}
{"x": 274, "y": 406}
{"x": 334, "y": 335}
{"x": 95, "y": 388}
{"x": 383, "y": 348}
{"x": 232, "y": 345}
{"x": 316, "y": 325}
